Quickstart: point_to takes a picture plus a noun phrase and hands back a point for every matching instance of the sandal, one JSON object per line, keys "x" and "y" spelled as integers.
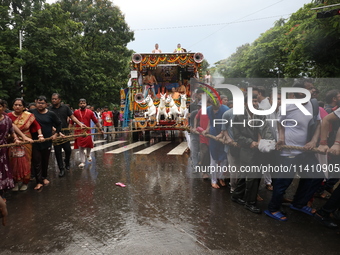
{"x": 276, "y": 215}
{"x": 306, "y": 209}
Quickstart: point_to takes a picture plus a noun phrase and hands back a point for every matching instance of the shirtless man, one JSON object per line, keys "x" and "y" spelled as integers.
{"x": 149, "y": 82}
{"x": 156, "y": 50}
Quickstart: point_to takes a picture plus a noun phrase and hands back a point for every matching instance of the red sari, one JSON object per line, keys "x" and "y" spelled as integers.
{"x": 20, "y": 156}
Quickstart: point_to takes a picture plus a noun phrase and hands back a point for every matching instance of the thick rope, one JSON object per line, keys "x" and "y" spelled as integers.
{"x": 60, "y": 140}
{"x": 233, "y": 143}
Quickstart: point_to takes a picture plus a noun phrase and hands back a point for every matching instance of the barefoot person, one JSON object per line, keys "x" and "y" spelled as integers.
{"x": 41, "y": 151}
{"x": 20, "y": 156}
{"x": 63, "y": 112}
{"x": 85, "y": 115}
{"x": 218, "y": 158}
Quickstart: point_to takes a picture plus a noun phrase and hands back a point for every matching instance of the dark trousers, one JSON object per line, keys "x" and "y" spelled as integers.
{"x": 59, "y": 156}
{"x": 332, "y": 177}
{"x": 246, "y": 189}
{"x": 40, "y": 160}
{"x": 332, "y": 204}
{"x": 204, "y": 156}
{"x": 308, "y": 184}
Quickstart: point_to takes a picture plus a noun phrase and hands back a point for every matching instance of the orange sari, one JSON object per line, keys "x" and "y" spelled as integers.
{"x": 20, "y": 156}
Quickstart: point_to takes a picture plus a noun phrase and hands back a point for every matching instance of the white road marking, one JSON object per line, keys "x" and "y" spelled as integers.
{"x": 125, "y": 148}
{"x": 152, "y": 148}
{"x": 95, "y": 142}
{"x": 101, "y": 147}
{"x": 179, "y": 150}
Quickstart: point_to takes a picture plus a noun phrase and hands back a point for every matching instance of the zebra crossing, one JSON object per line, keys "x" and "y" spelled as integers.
{"x": 141, "y": 147}
{"x": 124, "y": 145}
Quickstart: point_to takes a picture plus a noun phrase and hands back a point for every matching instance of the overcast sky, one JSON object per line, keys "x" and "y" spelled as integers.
{"x": 150, "y": 18}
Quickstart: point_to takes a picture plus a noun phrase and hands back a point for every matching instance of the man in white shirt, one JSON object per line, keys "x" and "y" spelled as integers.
{"x": 264, "y": 104}
{"x": 207, "y": 78}
{"x": 303, "y": 131}
{"x": 263, "y": 100}
{"x": 156, "y": 50}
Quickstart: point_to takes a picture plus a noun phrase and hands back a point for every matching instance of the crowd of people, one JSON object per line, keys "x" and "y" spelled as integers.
{"x": 320, "y": 130}
{"x": 32, "y": 128}
{"x": 213, "y": 150}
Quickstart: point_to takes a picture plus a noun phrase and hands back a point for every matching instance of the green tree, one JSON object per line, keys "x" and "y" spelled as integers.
{"x": 302, "y": 46}
{"x": 76, "y": 48}
{"x": 12, "y": 15}
{"x": 105, "y": 36}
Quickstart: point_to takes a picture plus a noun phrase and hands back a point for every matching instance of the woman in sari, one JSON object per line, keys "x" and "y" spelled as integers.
{"x": 6, "y": 128}
{"x": 20, "y": 156}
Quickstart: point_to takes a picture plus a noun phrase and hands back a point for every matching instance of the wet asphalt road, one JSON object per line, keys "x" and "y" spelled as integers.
{"x": 164, "y": 209}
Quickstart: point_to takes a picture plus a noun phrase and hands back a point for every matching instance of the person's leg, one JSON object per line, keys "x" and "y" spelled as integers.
{"x": 82, "y": 157}
{"x": 68, "y": 152}
{"x": 45, "y": 157}
{"x": 187, "y": 138}
{"x": 333, "y": 203}
{"x": 204, "y": 158}
{"x": 235, "y": 163}
{"x": 240, "y": 187}
{"x": 310, "y": 181}
{"x": 88, "y": 155}
{"x": 206, "y": 155}
{"x": 213, "y": 173}
{"x": 59, "y": 156}
{"x": 105, "y": 130}
{"x": 221, "y": 171}
{"x": 267, "y": 178}
{"x": 281, "y": 184}
{"x": 194, "y": 147}
{"x": 37, "y": 166}
{"x": 251, "y": 190}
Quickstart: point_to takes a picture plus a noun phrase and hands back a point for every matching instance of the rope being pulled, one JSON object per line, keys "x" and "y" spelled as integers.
{"x": 233, "y": 143}
{"x": 64, "y": 139}
{"x": 60, "y": 140}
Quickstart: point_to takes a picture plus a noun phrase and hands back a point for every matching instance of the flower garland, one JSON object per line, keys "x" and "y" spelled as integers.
{"x": 153, "y": 61}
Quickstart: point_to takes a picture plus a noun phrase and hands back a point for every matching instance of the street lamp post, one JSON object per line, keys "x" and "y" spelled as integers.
{"x": 21, "y": 72}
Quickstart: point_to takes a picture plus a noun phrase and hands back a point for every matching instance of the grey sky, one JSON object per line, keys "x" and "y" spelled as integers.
{"x": 216, "y": 42}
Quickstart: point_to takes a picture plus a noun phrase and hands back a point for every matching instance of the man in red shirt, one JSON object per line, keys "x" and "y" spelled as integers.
{"x": 107, "y": 118}
{"x": 202, "y": 121}
{"x": 84, "y": 116}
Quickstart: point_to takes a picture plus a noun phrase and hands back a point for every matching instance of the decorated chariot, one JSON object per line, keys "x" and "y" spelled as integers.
{"x": 163, "y": 104}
